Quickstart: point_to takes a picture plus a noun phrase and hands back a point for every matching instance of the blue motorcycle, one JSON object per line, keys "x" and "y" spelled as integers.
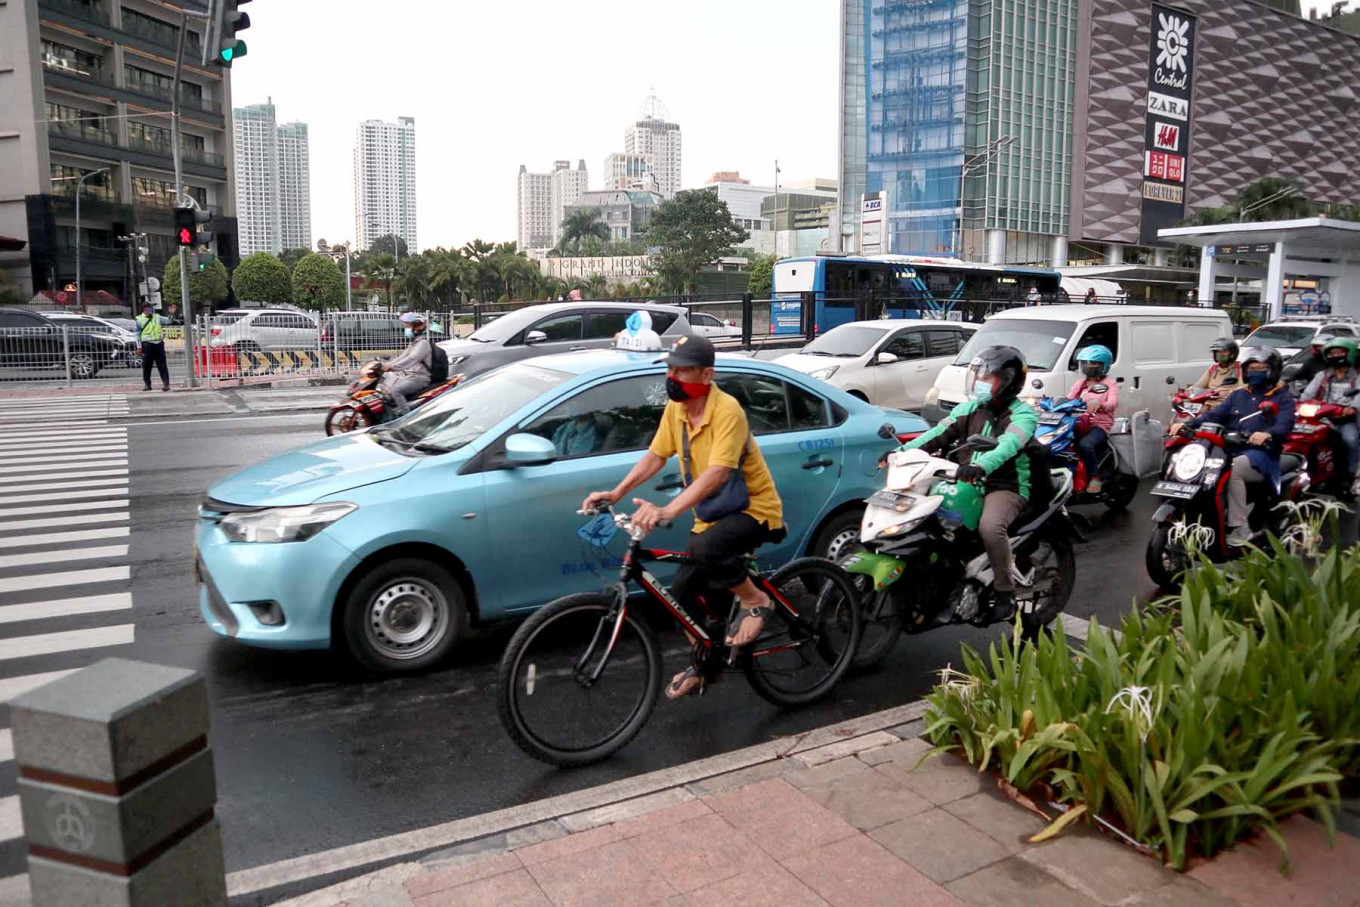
{"x": 1057, "y": 431}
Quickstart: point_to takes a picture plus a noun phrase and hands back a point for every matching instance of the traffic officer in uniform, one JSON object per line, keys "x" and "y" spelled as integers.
{"x": 151, "y": 337}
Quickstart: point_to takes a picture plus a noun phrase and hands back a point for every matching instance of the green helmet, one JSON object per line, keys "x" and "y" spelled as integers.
{"x": 1348, "y": 344}
{"x": 962, "y": 502}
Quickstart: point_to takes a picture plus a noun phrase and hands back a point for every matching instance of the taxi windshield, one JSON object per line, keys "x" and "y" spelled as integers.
{"x": 461, "y": 415}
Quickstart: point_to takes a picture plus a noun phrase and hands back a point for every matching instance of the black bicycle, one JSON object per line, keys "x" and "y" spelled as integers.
{"x": 581, "y": 676}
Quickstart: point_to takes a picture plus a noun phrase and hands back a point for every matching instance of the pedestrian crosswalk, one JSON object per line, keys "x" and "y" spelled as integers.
{"x": 65, "y": 575}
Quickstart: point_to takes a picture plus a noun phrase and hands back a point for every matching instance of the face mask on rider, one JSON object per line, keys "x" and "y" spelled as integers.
{"x": 982, "y": 391}
{"x": 680, "y": 391}
{"x": 1257, "y": 380}
{"x": 1224, "y": 358}
{"x": 409, "y": 333}
{"x": 1092, "y": 370}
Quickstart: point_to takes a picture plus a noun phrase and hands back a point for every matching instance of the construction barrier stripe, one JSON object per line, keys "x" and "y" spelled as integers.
{"x": 257, "y": 362}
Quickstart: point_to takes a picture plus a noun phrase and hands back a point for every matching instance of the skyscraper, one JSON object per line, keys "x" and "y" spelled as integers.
{"x": 273, "y": 187}
{"x": 295, "y": 192}
{"x": 542, "y": 199}
{"x": 657, "y": 138}
{"x": 257, "y": 178}
{"x": 385, "y": 181}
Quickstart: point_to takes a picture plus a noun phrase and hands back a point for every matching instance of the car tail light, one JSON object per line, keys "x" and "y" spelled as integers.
{"x": 731, "y": 323}
{"x": 909, "y": 436}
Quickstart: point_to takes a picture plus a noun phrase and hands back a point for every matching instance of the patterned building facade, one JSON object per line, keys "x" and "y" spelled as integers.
{"x": 1274, "y": 95}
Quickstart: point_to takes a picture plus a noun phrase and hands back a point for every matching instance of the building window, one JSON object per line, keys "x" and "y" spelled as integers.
{"x": 65, "y": 180}
{"x": 68, "y": 59}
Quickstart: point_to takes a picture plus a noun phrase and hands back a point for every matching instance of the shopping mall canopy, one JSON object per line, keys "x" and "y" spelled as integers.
{"x": 1309, "y": 247}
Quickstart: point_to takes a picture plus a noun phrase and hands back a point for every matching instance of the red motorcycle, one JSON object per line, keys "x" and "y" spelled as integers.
{"x": 366, "y": 404}
{"x": 1186, "y": 404}
{"x": 1317, "y": 442}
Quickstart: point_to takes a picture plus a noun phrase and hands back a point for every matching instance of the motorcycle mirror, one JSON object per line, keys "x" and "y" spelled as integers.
{"x": 1269, "y": 408}
{"x": 981, "y": 442}
{"x": 1170, "y": 379}
{"x": 887, "y": 432}
{"x": 1352, "y": 392}
{"x": 1227, "y": 382}
{"x": 1099, "y": 388}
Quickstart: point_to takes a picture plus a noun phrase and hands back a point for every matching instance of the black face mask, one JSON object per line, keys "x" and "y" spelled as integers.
{"x": 676, "y": 390}
{"x": 1092, "y": 371}
{"x": 1338, "y": 363}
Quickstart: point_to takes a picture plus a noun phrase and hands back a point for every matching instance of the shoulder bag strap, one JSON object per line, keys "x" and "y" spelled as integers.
{"x": 684, "y": 451}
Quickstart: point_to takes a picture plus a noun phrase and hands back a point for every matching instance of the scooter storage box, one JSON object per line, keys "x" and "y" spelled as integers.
{"x": 1138, "y": 441}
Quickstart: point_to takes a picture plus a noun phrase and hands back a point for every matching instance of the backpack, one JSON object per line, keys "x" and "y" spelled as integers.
{"x": 439, "y": 365}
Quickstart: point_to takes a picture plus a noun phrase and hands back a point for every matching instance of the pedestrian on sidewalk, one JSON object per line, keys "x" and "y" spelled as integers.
{"x": 151, "y": 337}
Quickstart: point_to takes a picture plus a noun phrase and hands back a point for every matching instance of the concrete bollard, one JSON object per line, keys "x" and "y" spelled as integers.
{"x": 117, "y": 788}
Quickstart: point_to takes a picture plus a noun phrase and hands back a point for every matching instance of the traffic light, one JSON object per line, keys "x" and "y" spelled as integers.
{"x": 227, "y": 21}
{"x": 187, "y": 233}
{"x": 205, "y": 260}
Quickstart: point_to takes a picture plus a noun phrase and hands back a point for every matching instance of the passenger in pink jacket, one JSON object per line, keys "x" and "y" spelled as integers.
{"x": 1094, "y": 363}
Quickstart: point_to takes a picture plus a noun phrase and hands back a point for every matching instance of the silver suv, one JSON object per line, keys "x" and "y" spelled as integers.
{"x": 263, "y": 329}
{"x": 555, "y": 327}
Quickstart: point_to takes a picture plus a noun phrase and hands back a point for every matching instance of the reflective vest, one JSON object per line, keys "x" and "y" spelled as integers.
{"x": 149, "y": 329}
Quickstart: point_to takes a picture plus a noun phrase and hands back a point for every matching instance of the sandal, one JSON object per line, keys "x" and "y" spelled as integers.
{"x": 759, "y": 613}
{"x": 681, "y": 686}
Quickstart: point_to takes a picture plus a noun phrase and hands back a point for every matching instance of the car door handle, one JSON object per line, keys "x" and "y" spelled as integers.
{"x": 577, "y": 349}
{"x": 670, "y": 486}
{"x": 818, "y": 463}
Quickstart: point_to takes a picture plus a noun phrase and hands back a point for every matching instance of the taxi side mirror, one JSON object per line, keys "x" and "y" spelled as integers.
{"x": 524, "y": 449}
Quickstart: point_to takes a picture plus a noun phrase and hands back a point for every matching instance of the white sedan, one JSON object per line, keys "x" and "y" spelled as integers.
{"x": 706, "y": 325}
{"x": 888, "y": 363}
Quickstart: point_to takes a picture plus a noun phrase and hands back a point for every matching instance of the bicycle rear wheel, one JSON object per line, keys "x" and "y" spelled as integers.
{"x": 551, "y": 705}
{"x": 799, "y": 658}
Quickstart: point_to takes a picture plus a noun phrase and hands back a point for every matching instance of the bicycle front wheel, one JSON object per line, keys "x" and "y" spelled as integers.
{"x": 553, "y": 704}
{"x": 800, "y": 656}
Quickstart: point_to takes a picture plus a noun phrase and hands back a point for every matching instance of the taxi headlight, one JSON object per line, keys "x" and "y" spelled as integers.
{"x": 1189, "y": 463}
{"x": 283, "y": 524}
{"x": 824, "y": 373}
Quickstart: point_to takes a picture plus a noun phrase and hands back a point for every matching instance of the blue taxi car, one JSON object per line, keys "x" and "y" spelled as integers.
{"x": 393, "y": 542}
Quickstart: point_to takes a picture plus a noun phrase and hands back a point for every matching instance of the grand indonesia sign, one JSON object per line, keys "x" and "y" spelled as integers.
{"x": 609, "y": 266}
{"x": 1166, "y": 135}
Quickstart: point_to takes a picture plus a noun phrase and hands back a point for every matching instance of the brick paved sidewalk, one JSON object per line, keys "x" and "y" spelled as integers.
{"x": 825, "y": 827}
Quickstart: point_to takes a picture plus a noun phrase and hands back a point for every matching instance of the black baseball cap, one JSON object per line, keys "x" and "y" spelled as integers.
{"x": 690, "y": 350}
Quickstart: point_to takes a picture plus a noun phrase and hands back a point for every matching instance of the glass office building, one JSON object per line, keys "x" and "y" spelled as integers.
{"x": 930, "y": 87}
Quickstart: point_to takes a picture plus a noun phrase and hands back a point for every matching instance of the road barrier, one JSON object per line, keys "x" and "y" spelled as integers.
{"x": 117, "y": 788}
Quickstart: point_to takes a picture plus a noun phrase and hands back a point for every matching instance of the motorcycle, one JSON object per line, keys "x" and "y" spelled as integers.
{"x": 923, "y": 526}
{"x": 1317, "y": 442}
{"x": 1057, "y": 431}
{"x": 1194, "y": 510}
{"x": 367, "y": 404}
{"x": 1186, "y": 404}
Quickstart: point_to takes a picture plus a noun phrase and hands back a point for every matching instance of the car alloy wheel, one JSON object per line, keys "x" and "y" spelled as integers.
{"x": 406, "y": 619}
{"x": 83, "y": 365}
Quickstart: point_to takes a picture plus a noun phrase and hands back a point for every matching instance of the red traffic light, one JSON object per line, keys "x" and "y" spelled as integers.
{"x": 186, "y": 236}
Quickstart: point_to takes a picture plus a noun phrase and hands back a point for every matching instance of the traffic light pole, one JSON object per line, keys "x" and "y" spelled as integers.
{"x": 190, "y": 349}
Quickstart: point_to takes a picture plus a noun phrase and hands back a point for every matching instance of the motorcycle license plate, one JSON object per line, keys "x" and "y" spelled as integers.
{"x": 1192, "y": 408}
{"x": 1180, "y": 490}
{"x": 1050, "y": 418}
{"x": 894, "y": 499}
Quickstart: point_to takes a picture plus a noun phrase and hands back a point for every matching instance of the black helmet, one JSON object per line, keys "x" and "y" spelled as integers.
{"x": 1266, "y": 354}
{"x": 1224, "y": 345}
{"x": 1005, "y": 361}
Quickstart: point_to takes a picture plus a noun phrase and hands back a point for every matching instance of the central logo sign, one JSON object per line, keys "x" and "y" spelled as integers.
{"x": 1172, "y": 42}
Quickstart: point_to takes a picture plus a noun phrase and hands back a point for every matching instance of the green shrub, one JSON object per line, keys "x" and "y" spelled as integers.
{"x": 1207, "y": 719}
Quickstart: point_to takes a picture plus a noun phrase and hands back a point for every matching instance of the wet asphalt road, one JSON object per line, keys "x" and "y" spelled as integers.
{"x": 312, "y": 755}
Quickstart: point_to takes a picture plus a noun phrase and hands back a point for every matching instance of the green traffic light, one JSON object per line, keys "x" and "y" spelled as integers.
{"x": 231, "y": 53}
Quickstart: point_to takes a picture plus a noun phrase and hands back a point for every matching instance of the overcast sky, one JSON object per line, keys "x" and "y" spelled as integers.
{"x": 493, "y": 85}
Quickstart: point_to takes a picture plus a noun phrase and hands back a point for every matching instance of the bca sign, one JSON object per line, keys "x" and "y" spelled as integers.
{"x": 874, "y": 238}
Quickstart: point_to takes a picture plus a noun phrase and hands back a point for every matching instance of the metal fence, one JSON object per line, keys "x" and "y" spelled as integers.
{"x": 63, "y": 355}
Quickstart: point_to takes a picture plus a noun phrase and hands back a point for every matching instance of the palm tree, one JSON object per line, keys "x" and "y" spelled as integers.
{"x": 478, "y": 250}
{"x": 448, "y": 272}
{"x": 581, "y": 224}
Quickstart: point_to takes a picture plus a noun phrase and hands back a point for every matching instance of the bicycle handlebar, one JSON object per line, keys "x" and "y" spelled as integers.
{"x": 623, "y": 520}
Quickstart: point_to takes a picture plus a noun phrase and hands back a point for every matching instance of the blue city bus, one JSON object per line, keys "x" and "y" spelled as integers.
{"x": 896, "y": 286}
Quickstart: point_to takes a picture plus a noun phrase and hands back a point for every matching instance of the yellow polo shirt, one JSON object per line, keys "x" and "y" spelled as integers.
{"x": 718, "y": 441}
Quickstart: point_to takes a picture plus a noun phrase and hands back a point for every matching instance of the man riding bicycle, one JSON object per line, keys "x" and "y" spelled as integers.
{"x": 708, "y": 429}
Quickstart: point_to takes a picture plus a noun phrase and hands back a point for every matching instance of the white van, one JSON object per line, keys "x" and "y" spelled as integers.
{"x": 1156, "y": 349}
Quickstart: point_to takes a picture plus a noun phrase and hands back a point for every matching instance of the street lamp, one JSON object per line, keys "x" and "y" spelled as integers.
{"x": 979, "y": 160}
{"x": 347, "y": 280}
{"x": 80, "y": 185}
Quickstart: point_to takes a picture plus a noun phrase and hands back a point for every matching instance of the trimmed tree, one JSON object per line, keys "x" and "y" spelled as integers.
{"x": 318, "y": 283}
{"x": 762, "y": 276}
{"x": 206, "y": 288}
{"x": 262, "y": 278}
{"x": 689, "y": 233}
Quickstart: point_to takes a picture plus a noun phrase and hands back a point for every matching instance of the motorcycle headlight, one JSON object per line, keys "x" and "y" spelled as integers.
{"x": 1308, "y": 410}
{"x": 823, "y": 373}
{"x": 1189, "y": 463}
{"x": 1048, "y": 439}
{"x": 283, "y": 524}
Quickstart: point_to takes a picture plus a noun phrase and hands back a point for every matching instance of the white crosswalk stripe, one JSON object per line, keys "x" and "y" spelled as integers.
{"x": 66, "y": 596}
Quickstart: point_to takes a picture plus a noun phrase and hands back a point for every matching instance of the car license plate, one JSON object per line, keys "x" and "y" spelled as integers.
{"x": 894, "y": 499}
{"x": 1050, "y": 418}
{"x": 1180, "y": 490}
{"x": 1192, "y": 408}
